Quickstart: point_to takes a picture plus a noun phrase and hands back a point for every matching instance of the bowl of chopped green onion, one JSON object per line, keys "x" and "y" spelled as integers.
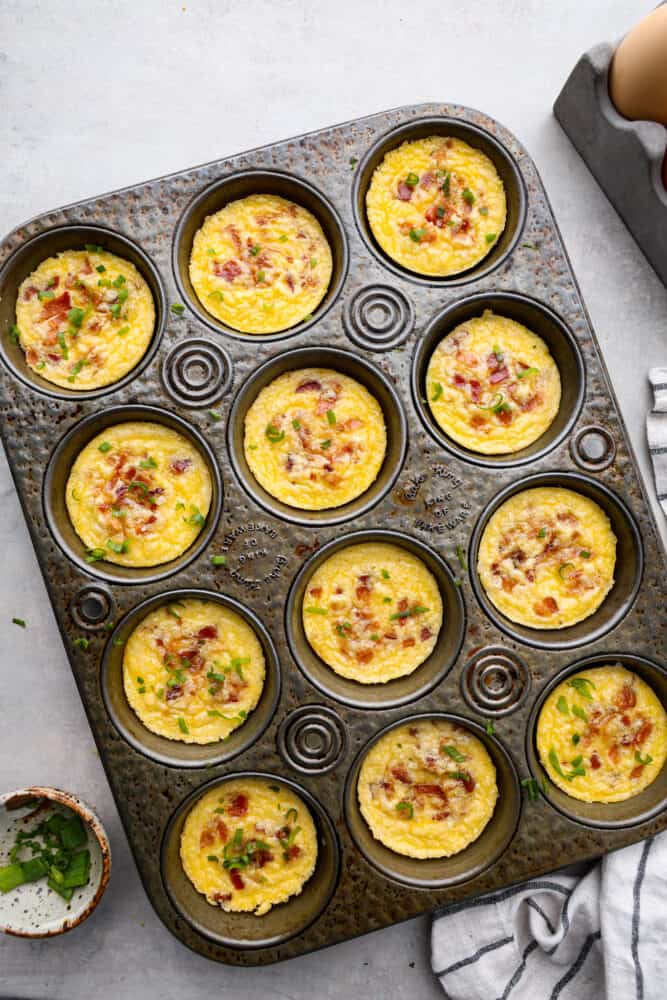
{"x": 54, "y": 862}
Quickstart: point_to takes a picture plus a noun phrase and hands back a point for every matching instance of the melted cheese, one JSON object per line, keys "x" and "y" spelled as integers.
{"x": 602, "y": 735}
{"x": 315, "y": 438}
{"x": 372, "y": 612}
{"x": 492, "y": 385}
{"x": 427, "y": 789}
{"x": 547, "y": 557}
{"x": 85, "y": 318}
{"x": 263, "y": 830}
{"x": 436, "y": 206}
{"x": 261, "y": 264}
{"x": 138, "y": 494}
{"x": 193, "y": 671}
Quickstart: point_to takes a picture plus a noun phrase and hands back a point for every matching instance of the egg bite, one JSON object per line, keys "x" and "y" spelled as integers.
{"x": 261, "y": 264}
{"x": 427, "y": 789}
{"x": 372, "y": 612}
{"x": 315, "y": 438}
{"x": 138, "y": 495}
{"x": 193, "y": 671}
{"x": 547, "y": 557}
{"x": 248, "y": 845}
{"x": 602, "y": 735}
{"x": 84, "y": 318}
{"x": 492, "y": 385}
{"x": 436, "y": 206}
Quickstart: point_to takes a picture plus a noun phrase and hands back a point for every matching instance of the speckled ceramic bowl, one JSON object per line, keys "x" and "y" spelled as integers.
{"x": 32, "y": 910}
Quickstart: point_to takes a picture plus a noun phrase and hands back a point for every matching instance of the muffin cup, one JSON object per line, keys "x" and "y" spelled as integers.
{"x": 24, "y": 261}
{"x": 603, "y": 815}
{"x": 628, "y": 569}
{"x": 476, "y": 137}
{"x": 174, "y": 752}
{"x": 436, "y": 873}
{"x": 241, "y": 185}
{"x": 245, "y": 930}
{"x": 402, "y": 689}
{"x": 57, "y": 474}
{"x": 538, "y": 319}
{"x": 342, "y": 361}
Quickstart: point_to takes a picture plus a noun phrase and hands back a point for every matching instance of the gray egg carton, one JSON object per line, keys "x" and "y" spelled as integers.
{"x": 625, "y": 157}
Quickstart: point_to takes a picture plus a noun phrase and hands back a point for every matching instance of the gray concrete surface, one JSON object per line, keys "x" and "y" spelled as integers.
{"x": 97, "y": 95}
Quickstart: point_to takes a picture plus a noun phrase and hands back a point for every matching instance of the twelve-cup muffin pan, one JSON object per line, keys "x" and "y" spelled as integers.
{"x": 311, "y": 728}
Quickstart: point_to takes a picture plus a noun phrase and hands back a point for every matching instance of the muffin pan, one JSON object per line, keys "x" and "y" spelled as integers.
{"x": 311, "y": 728}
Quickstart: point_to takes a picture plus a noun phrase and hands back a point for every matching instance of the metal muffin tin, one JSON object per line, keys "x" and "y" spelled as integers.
{"x": 310, "y": 730}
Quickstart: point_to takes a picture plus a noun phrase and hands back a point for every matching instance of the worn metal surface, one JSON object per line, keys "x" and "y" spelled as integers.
{"x": 437, "y": 498}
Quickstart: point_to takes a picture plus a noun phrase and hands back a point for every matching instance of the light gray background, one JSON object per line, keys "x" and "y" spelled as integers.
{"x": 97, "y": 95}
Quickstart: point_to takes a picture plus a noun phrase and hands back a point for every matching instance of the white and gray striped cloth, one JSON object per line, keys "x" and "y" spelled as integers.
{"x": 656, "y": 432}
{"x": 594, "y": 932}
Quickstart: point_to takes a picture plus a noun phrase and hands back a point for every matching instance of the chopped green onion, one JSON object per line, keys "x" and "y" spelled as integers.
{"x": 490, "y": 237}
{"x": 585, "y": 554}
{"x": 527, "y": 371}
{"x": 148, "y": 463}
{"x": 45, "y": 295}
{"x": 19, "y": 621}
{"x": 325, "y": 444}
{"x": 580, "y": 685}
{"x": 274, "y": 435}
{"x": 542, "y": 533}
{"x": 437, "y": 392}
{"x": 177, "y": 308}
{"x": 461, "y": 558}
{"x": 14, "y": 333}
{"x": 182, "y": 725}
{"x": 562, "y": 705}
{"x": 316, "y": 611}
{"x": 214, "y": 415}
{"x": 385, "y": 575}
{"x": 412, "y": 180}
{"x": 489, "y": 728}
{"x": 468, "y": 196}
{"x": 579, "y": 712}
{"x": 219, "y": 560}
{"x": 452, "y": 752}
{"x": 643, "y": 760}
{"x": 104, "y": 447}
{"x": 416, "y": 235}
{"x": 75, "y": 316}
{"x": 81, "y": 642}
{"x": 331, "y": 417}
{"x": 531, "y": 788}
{"x": 405, "y": 808}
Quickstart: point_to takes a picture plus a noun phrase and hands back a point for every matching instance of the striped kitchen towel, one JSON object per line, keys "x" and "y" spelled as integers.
{"x": 656, "y": 432}
{"x": 585, "y": 933}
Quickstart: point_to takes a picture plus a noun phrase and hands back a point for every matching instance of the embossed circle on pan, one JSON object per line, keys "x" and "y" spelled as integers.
{"x": 437, "y": 873}
{"x": 24, "y": 261}
{"x": 57, "y": 474}
{"x": 476, "y": 137}
{"x": 401, "y": 690}
{"x": 355, "y": 367}
{"x": 379, "y": 317}
{"x": 174, "y": 752}
{"x": 495, "y": 681}
{"x": 539, "y": 319}
{"x": 603, "y": 815}
{"x": 92, "y": 606}
{"x": 245, "y": 930}
{"x": 593, "y": 448}
{"x": 627, "y": 573}
{"x": 241, "y": 185}
{"x": 197, "y": 372}
{"x": 312, "y": 739}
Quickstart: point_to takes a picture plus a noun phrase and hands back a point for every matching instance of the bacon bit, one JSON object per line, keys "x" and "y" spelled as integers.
{"x": 636, "y": 772}
{"x": 294, "y": 851}
{"x": 404, "y": 191}
{"x": 56, "y": 307}
{"x": 238, "y": 806}
{"x": 261, "y": 858}
{"x": 31, "y": 356}
{"x": 399, "y": 772}
{"x": 595, "y": 761}
{"x": 179, "y": 465}
{"x": 230, "y": 270}
{"x": 315, "y": 591}
{"x": 364, "y": 655}
{"x": 546, "y": 607}
{"x": 499, "y": 376}
{"x": 644, "y": 733}
{"x": 441, "y": 815}
{"x": 427, "y": 179}
{"x": 353, "y": 424}
{"x": 86, "y": 267}
{"x": 413, "y": 731}
{"x": 222, "y": 897}
{"x": 143, "y": 528}
{"x": 505, "y": 416}
{"x": 208, "y": 632}
{"x": 477, "y": 421}
{"x": 235, "y": 879}
{"x": 626, "y": 720}
{"x": 289, "y": 280}
{"x": 459, "y": 380}
{"x": 390, "y": 635}
{"x": 467, "y": 781}
{"x": 508, "y": 585}
{"x": 172, "y": 693}
{"x": 29, "y": 292}
{"x": 223, "y": 832}
{"x": 206, "y": 838}
{"x": 626, "y": 698}
{"x": 408, "y": 642}
{"x": 310, "y": 385}
{"x": 425, "y": 633}
{"x": 431, "y": 790}
{"x": 613, "y": 753}
{"x": 54, "y": 282}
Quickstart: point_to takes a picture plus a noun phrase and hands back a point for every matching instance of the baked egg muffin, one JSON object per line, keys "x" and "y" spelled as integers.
{"x": 193, "y": 670}
{"x": 315, "y": 438}
{"x": 492, "y": 385}
{"x": 547, "y": 557}
{"x": 602, "y": 735}
{"x": 261, "y": 264}
{"x": 436, "y": 205}
{"x": 427, "y": 789}
{"x": 84, "y": 318}
{"x": 372, "y": 612}
{"x": 138, "y": 495}
{"x": 249, "y": 844}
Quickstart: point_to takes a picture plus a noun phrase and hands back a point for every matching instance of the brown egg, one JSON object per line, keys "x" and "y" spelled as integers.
{"x": 638, "y": 74}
